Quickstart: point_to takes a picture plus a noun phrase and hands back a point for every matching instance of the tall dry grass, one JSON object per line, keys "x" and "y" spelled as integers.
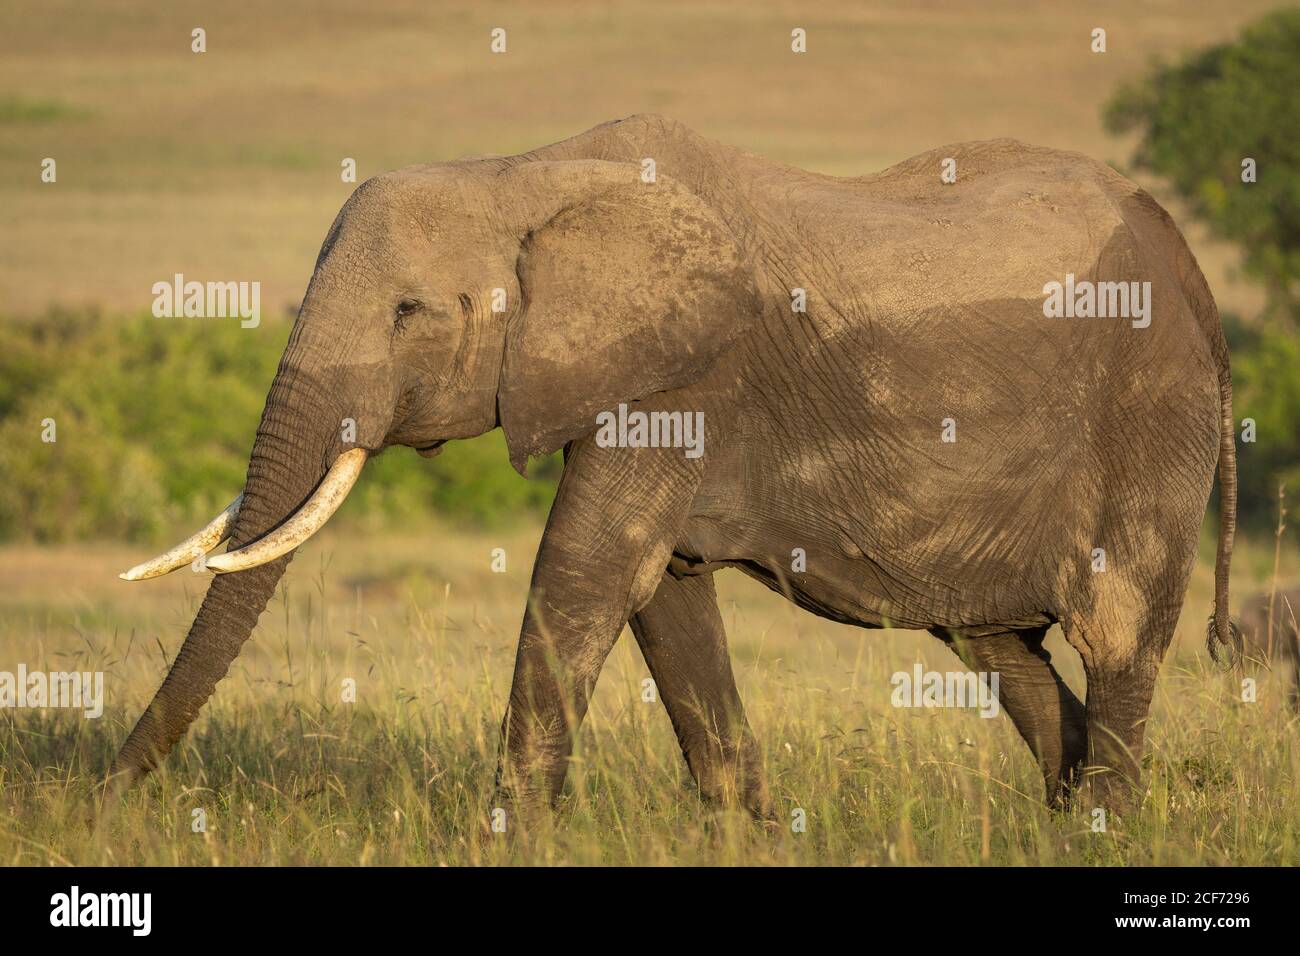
{"x": 286, "y": 773}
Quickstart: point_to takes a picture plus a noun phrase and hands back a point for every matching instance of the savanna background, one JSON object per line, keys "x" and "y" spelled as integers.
{"x": 226, "y": 166}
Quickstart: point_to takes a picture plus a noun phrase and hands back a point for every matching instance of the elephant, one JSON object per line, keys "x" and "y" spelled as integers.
{"x": 1268, "y": 623}
{"x": 884, "y": 390}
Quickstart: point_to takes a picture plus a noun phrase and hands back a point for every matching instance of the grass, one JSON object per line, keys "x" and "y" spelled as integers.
{"x": 16, "y": 109}
{"x": 288, "y": 774}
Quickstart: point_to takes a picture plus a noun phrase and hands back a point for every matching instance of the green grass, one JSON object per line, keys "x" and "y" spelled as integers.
{"x": 288, "y": 774}
{"x": 19, "y": 109}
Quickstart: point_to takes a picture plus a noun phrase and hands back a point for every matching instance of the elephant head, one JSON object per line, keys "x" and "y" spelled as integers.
{"x": 448, "y": 300}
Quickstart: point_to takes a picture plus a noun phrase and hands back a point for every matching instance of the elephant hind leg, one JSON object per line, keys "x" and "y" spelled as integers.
{"x": 1050, "y": 718}
{"x": 681, "y": 636}
{"x": 1121, "y": 684}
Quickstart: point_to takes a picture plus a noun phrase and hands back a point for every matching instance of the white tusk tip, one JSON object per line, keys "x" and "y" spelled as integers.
{"x": 195, "y": 546}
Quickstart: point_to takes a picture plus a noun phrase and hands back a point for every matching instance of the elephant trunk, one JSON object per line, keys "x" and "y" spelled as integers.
{"x": 289, "y": 456}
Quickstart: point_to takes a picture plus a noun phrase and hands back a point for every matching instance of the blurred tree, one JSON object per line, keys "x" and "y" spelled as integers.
{"x": 1200, "y": 120}
{"x": 154, "y": 419}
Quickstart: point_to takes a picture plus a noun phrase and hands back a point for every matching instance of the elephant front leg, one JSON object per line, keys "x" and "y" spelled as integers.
{"x": 608, "y": 539}
{"x": 562, "y": 647}
{"x": 681, "y": 636}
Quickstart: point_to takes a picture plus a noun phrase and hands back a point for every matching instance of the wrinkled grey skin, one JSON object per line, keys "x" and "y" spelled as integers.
{"x": 924, "y": 303}
{"x": 1277, "y": 645}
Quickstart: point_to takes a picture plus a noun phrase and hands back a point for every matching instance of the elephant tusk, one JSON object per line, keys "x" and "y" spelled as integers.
{"x": 196, "y": 545}
{"x": 303, "y": 523}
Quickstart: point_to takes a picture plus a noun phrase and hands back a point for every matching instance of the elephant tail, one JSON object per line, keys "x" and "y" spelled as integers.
{"x": 1220, "y": 629}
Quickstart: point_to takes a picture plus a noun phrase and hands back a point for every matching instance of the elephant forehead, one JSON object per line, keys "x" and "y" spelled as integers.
{"x": 428, "y": 204}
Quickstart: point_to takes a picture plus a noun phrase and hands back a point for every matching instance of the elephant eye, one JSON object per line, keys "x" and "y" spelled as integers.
{"x": 407, "y": 306}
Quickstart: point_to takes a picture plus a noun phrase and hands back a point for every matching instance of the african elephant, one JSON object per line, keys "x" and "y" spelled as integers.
{"x": 1271, "y": 636}
{"x": 882, "y": 393}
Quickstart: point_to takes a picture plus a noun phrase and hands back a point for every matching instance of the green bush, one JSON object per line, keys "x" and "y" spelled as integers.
{"x": 1266, "y": 388}
{"x": 154, "y": 421}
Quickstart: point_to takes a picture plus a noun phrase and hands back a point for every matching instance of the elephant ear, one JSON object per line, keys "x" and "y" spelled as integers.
{"x": 628, "y": 288}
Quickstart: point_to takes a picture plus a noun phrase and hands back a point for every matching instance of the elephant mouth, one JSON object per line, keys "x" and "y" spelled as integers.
{"x": 432, "y": 449}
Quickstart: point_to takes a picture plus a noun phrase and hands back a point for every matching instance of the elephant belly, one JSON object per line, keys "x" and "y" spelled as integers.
{"x": 817, "y": 564}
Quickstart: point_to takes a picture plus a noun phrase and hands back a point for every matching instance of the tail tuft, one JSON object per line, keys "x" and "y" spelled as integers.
{"x": 1228, "y": 635}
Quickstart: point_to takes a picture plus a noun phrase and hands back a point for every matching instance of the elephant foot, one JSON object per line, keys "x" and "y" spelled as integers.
{"x": 756, "y": 804}
{"x": 1108, "y": 790}
{"x": 1065, "y": 780}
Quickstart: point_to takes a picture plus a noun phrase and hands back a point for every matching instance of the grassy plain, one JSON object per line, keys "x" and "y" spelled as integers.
{"x": 226, "y": 166}
{"x": 288, "y": 773}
